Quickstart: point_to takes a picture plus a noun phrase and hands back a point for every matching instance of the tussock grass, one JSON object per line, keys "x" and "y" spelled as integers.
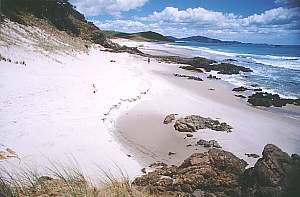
{"x": 68, "y": 182}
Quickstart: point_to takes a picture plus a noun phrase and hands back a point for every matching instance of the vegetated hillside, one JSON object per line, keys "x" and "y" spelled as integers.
{"x": 141, "y": 36}
{"x": 202, "y": 39}
{"x": 58, "y": 13}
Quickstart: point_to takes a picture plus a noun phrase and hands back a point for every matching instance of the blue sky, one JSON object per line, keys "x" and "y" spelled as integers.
{"x": 258, "y": 21}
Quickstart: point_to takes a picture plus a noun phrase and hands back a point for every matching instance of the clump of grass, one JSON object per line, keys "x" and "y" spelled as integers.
{"x": 68, "y": 182}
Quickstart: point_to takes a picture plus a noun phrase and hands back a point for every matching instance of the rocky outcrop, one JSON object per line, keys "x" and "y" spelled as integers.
{"x": 169, "y": 118}
{"x": 240, "y": 89}
{"x": 199, "y": 63}
{"x": 189, "y": 77}
{"x": 213, "y": 77}
{"x": 194, "y": 122}
{"x": 253, "y": 155}
{"x": 221, "y": 174}
{"x": 191, "y": 68}
{"x": 240, "y": 96}
{"x": 275, "y": 174}
{"x": 213, "y": 171}
{"x": 268, "y": 100}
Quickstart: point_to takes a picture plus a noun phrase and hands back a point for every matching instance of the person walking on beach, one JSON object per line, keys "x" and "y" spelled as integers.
{"x": 148, "y": 60}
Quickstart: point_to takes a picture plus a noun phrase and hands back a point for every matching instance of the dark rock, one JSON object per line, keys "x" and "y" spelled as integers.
{"x": 157, "y": 164}
{"x": 199, "y": 63}
{"x": 213, "y": 77}
{"x": 189, "y": 77}
{"x": 189, "y": 135}
{"x": 257, "y": 89}
{"x": 230, "y": 69}
{"x": 268, "y": 100}
{"x": 240, "y": 89}
{"x": 143, "y": 170}
{"x": 231, "y": 60}
{"x": 240, "y": 96}
{"x": 171, "y": 153}
{"x": 252, "y": 155}
{"x": 191, "y": 68}
{"x": 112, "y": 61}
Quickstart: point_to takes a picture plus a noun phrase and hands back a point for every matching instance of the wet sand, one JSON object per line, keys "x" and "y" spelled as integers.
{"x": 142, "y": 132}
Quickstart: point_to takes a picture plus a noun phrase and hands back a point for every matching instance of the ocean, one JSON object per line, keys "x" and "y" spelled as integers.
{"x": 276, "y": 68}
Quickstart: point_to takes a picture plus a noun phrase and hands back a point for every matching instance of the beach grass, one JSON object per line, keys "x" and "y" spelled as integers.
{"x": 69, "y": 182}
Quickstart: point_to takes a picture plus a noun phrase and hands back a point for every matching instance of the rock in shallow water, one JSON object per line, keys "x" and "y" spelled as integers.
{"x": 268, "y": 100}
{"x": 240, "y": 89}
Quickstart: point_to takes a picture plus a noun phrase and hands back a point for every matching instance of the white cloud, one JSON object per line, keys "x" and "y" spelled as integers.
{"x": 171, "y": 14}
{"x": 200, "y": 21}
{"x": 121, "y": 25}
{"x": 112, "y": 7}
{"x": 274, "y": 16}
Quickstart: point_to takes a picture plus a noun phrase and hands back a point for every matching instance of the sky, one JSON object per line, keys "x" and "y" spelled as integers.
{"x": 256, "y": 21}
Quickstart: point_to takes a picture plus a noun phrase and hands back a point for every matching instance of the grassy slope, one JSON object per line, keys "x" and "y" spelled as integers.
{"x": 140, "y": 36}
{"x": 60, "y": 14}
{"x": 65, "y": 182}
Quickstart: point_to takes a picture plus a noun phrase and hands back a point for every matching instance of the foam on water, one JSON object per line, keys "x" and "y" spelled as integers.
{"x": 275, "y": 73}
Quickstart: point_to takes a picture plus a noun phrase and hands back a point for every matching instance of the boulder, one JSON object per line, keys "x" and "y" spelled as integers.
{"x": 198, "y": 63}
{"x": 252, "y": 155}
{"x": 189, "y": 77}
{"x": 267, "y": 100}
{"x": 240, "y": 96}
{"x": 213, "y": 77}
{"x": 169, "y": 118}
{"x": 220, "y": 173}
{"x": 275, "y": 174}
{"x": 194, "y": 122}
{"x": 240, "y": 89}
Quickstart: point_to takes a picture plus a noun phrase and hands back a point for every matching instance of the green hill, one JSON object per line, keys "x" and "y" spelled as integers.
{"x": 149, "y": 36}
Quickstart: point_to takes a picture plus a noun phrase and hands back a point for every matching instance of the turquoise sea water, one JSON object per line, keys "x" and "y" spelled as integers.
{"x": 276, "y": 67}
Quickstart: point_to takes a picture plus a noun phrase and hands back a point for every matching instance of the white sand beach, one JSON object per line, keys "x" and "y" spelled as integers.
{"x": 83, "y": 106}
{"x": 142, "y": 129}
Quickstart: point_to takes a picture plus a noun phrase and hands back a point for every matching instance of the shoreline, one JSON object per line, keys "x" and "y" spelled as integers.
{"x": 141, "y": 127}
{"x": 59, "y": 114}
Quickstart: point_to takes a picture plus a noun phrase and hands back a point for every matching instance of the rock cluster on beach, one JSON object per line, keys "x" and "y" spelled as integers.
{"x": 240, "y": 89}
{"x": 267, "y": 100}
{"x": 4, "y": 59}
{"x": 189, "y": 77}
{"x": 213, "y": 77}
{"x": 191, "y": 68}
{"x": 169, "y": 118}
{"x": 194, "y": 122}
{"x": 219, "y": 173}
{"x": 199, "y": 63}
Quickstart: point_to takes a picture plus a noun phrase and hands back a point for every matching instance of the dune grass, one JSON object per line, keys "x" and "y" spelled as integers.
{"x": 68, "y": 182}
